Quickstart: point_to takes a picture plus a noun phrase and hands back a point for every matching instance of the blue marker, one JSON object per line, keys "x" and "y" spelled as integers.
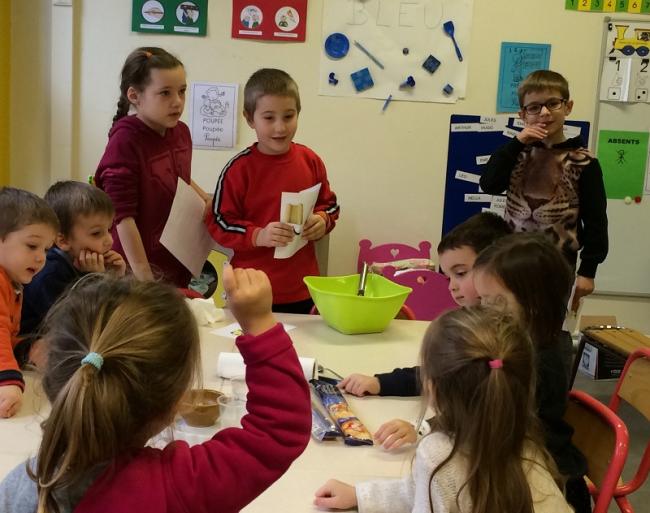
{"x": 390, "y": 97}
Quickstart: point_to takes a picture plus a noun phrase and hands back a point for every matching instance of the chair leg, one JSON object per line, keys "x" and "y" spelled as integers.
{"x": 624, "y": 504}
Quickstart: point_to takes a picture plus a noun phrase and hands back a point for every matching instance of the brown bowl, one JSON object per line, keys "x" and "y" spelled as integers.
{"x": 199, "y": 408}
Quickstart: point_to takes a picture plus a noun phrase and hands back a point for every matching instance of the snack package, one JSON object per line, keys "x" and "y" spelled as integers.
{"x": 322, "y": 425}
{"x": 354, "y": 432}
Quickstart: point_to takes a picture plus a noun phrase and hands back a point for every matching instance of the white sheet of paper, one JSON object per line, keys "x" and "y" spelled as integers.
{"x": 231, "y": 365}
{"x": 185, "y": 235}
{"x": 307, "y": 198}
{"x": 234, "y": 330}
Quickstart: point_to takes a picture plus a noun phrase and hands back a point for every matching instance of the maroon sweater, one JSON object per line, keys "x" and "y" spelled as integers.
{"x": 226, "y": 473}
{"x": 139, "y": 171}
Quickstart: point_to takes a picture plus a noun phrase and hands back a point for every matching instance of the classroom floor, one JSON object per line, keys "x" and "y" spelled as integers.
{"x": 638, "y": 430}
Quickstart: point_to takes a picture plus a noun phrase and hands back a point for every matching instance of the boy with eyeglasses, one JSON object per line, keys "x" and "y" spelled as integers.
{"x": 554, "y": 184}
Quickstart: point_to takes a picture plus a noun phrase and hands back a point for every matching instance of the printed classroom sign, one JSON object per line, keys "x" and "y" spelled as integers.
{"x": 622, "y": 156}
{"x": 517, "y": 61}
{"x": 271, "y": 20}
{"x": 170, "y": 17}
{"x": 629, "y": 6}
{"x": 213, "y": 115}
{"x": 625, "y": 75}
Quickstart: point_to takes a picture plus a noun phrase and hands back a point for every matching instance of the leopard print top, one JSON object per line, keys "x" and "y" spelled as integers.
{"x": 543, "y": 194}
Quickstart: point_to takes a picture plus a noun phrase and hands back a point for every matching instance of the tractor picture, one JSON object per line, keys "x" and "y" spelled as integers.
{"x": 640, "y": 43}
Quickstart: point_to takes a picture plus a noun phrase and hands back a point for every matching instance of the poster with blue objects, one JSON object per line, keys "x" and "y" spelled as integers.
{"x": 517, "y": 61}
{"x": 472, "y": 139}
{"x": 414, "y": 51}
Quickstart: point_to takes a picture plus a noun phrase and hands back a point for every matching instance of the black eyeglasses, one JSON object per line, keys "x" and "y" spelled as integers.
{"x": 551, "y": 104}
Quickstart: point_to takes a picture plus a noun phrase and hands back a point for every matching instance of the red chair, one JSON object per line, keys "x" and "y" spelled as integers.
{"x": 633, "y": 387}
{"x": 603, "y": 438}
{"x": 390, "y": 252}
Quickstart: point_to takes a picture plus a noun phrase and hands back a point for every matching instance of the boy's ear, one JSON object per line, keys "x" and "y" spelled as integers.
{"x": 62, "y": 242}
{"x": 249, "y": 119}
{"x": 568, "y": 107}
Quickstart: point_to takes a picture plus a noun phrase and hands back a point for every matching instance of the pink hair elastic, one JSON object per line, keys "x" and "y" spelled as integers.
{"x": 495, "y": 364}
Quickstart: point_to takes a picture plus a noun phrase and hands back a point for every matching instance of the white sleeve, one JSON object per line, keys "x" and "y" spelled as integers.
{"x": 412, "y": 493}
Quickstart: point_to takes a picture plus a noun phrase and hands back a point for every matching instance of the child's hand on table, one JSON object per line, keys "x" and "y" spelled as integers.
{"x": 275, "y": 234}
{"x": 360, "y": 385}
{"x": 11, "y": 398}
{"x": 336, "y": 495}
{"x": 395, "y": 433}
{"x": 249, "y": 298}
{"x": 314, "y": 227}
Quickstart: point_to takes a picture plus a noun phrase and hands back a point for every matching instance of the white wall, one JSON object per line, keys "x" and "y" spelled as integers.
{"x": 388, "y": 170}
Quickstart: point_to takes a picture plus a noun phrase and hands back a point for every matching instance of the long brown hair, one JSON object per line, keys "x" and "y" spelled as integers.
{"x": 149, "y": 343}
{"x": 488, "y": 412}
{"x": 136, "y": 73}
{"x": 539, "y": 277}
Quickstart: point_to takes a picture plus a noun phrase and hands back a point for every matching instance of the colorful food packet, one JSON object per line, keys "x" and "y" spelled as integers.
{"x": 322, "y": 425}
{"x": 354, "y": 432}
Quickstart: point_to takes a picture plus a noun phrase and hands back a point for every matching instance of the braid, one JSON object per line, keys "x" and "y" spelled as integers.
{"x": 123, "y": 106}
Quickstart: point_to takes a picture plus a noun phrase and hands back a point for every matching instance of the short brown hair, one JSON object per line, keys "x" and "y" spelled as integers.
{"x": 477, "y": 232}
{"x": 543, "y": 80}
{"x": 269, "y": 81}
{"x": 20, "y": 208}
{"x": 70, "y": 200}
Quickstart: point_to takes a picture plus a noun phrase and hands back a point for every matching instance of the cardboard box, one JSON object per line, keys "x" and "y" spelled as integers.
{"x": 599, "y": 361}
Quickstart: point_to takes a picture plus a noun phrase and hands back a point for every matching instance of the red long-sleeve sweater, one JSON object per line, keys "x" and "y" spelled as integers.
{"x": 248, "y": 197}
{"x": 227, "y": 472}
{"x": 139, "y": 171}
{"x": 10, "y": 305}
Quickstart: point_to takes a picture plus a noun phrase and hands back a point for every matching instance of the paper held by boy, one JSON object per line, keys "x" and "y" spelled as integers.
{"x": 295, "y": 208}
{"x": 230, "y": 365}
{"x": 185, "y": 235}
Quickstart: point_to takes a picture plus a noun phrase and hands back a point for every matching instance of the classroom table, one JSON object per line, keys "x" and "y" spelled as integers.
{"x": 398, "y": 346}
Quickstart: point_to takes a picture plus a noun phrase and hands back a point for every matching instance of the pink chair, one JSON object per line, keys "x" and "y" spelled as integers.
{"x": 603, "y": 438}
{"x": 389, "y": 252}
{"x": 430, "y": 297}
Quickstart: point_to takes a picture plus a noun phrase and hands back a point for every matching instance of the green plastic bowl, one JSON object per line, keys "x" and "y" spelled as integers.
{"x": 337, "y": 302}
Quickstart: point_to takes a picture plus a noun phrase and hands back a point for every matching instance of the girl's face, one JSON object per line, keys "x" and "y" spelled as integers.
{"x": 160, "y": 104}
{"x": 492, "y": 292}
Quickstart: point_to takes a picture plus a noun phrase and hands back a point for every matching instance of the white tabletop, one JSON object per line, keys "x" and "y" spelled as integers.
{"x": 398, "y": 346}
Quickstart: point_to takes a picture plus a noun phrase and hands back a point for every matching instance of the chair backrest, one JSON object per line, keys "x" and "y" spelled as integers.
{"x": 390, "y": 252}
{"x": 430, "y": 297}
{"x": 634, "y": 388}
{"x": 603, "y": 438}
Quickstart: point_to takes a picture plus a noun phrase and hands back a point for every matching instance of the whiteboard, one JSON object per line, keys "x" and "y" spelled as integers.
{"x": 626, "y": 271}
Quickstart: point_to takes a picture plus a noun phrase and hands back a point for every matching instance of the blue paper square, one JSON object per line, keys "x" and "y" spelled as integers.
{"x": 362, "y": 80}
{"x": 431, "y": 64}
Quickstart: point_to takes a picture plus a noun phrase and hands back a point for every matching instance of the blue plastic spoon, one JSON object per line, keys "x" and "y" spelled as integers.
{"x": 448, "y": 27}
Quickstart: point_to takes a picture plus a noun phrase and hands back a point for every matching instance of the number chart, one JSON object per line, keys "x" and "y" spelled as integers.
{"x": 628, "y": 6}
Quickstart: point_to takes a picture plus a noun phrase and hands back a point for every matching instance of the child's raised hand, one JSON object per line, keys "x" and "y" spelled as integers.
{"x": 275, "y": 234}
{"x": 11, "y": 398}
{"x": 115, "y": 263}
{"x": 336, "y": 495}
{"x": 249, "y": 298}
{"x": 532, "y": 133}
{"x": 360, "y": 384}
{"x": 395, "y": 433}
{"x": 89, "y": 262}
{"x": 314, "y": 228}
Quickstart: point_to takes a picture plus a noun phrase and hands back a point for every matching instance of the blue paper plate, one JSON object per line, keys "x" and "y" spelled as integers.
{"x": 337, "y": 45}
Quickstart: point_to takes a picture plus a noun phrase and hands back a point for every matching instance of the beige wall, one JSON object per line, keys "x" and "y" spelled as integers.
{"x": 388, "y": 170}
{"x": 5, "y": 91}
